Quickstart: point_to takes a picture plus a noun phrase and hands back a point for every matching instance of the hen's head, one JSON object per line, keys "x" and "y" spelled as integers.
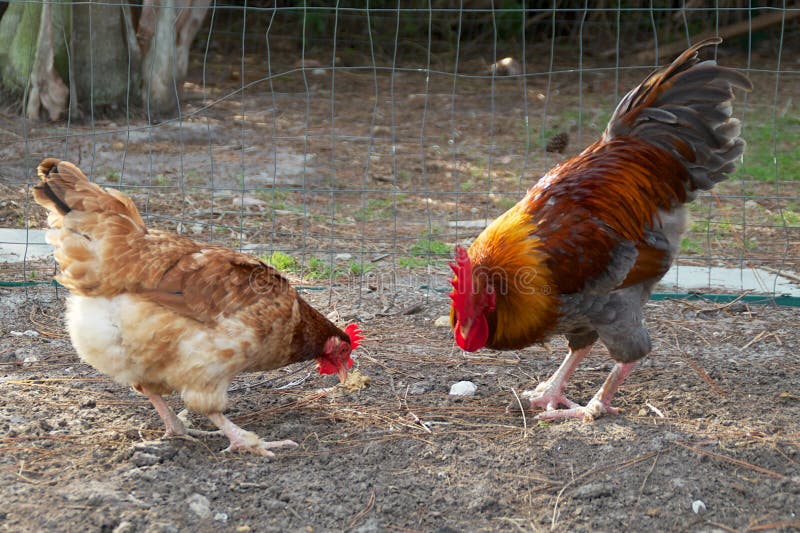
{"x": 335, "y": 358}
{"x": 472, "y": 299}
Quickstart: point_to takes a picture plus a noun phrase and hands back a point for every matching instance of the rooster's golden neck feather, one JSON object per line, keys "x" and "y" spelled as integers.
{"x": 506, "y": 256}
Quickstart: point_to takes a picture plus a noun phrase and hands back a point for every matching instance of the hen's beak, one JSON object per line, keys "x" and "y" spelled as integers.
{"x": 342, "y": 373}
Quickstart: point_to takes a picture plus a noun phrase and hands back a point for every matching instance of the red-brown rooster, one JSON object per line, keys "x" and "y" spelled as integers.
{"x": 164, "y": 313}
{"x": 581, "y": 252}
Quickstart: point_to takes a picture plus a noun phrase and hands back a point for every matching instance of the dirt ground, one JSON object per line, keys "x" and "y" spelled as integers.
{"x": 366, "y": 169}
{"x": 710, "y": 416}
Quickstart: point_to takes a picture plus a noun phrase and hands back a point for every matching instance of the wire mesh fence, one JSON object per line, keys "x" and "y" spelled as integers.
{"x": 359, "y": 142}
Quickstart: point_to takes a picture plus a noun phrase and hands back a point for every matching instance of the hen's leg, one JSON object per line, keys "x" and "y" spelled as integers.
{"x": 601, "y": 403}
{"x": 549, "y": 395}
{"x": 246, "y": 441}
{"x": 173, "y": 424}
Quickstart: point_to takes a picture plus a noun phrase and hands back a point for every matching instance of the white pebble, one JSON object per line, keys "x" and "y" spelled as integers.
{"x": 318, "y": 72}
{"x": 221, "y": 517}
{"x": 199, "y": 505}
{"x": 463, "y": 388}
{"x": 26, "y": 333}
{"x": 698, "y": 507}
{"x": 442, "y": 322}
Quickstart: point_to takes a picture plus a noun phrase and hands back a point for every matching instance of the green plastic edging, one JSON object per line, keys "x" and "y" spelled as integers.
{"x": 783, "y": 299}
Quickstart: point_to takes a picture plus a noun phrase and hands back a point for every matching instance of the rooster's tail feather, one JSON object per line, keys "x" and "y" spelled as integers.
{"x": 686, "y": 109}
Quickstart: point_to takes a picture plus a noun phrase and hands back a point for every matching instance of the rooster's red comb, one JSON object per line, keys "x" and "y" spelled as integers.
{"x": 462, "y": 284}
{"x": 354, "y": 332}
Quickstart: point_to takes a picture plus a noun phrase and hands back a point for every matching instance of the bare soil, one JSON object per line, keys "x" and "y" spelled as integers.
{"x": 710, "y": 416}
{"x": 366, "y": 167}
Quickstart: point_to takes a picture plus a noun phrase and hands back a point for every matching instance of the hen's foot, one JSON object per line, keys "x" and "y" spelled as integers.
{"x": 246, "y": 441}
{"x": 592, "y": 411}
{"x": 173, "y": 425}
{"x": 203, "y": 433}
{"x": 251, "y": 443}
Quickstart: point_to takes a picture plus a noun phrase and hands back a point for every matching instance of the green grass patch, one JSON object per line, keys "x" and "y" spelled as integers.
{"x": 690, "y": 246}
{"x": 772, "y": 149}
{"x": 319, "y": 269}
{"x": 375, "y": 209}
{"x": 790, "y": 218}
{"x": 413, "y": 262}
{"x": 428, "y": 247}
{"x": 357, "y": 268}
{"x": 424, "y": 252}
{"x": 282, "y": 261}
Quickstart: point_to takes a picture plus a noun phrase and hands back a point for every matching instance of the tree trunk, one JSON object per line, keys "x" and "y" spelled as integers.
{"x": 106, "y": 68}
{"x": 55, "y": 55}
{"x": 47, "y": 89}
{"x": 19, "y": 28}
{"x": 166, "y": 31}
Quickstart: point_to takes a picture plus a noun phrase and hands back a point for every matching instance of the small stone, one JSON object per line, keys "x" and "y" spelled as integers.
{"x": 318, "y": 72}
{"x": 698, "y": 507}
{"x": 124, "y": 527}
{"x": 442, "y": 322}
{"x": 26, "y": 333}
{"x": 183, "y": 416}
{"x": 119, "y": 145}
{"x": 420, "y": 387}
{"x": 221, "y": 517}
{"x": 144, "y": 459}
{"x": 248, "y": 201}
{"x": 243, "y": 529}
{"x": 199, "y": 505}
{"x": 343, "y": 257}
{"x": 89, "y": 404}
{"x": 463, "y": 388}
{"x": 594, "y": 490}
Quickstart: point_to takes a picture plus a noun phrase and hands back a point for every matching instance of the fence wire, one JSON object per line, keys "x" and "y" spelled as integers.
{"x": 359, "y": 143}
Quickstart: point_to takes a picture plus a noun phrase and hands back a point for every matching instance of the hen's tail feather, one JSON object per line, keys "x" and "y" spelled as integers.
{"x": 92, "y": 227}
{"x": 686, "y": 109}
{"x": 63, "y": 188}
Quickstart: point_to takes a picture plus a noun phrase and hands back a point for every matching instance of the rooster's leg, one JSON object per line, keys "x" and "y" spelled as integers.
{"x": 601, "y": 403}
{"x": 549, "y": 395}
{"x": 173, "y": 424}
{"x": 246, "y": 441}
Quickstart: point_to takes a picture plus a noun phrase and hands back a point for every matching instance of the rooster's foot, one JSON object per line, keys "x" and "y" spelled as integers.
{"x": 592, "y": 411}
{"x": 548, "y": 396}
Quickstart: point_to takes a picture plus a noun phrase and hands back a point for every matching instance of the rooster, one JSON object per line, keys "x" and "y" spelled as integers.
{"x": 163, "y": 313}
{"x": 581, "y": 252}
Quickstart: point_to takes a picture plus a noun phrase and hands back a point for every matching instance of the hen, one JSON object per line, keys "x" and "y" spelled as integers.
{"x": 164, "y": 313}
{"x": 581, "y": 252}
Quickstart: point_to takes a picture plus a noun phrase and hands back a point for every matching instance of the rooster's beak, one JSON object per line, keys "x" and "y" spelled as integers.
{"x": 464, "y": 328}
{"x": 342, "y": 373}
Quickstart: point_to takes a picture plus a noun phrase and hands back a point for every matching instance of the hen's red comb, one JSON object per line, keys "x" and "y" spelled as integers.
{"x": 462, "y": 284}
{"x": 354, "y": 332}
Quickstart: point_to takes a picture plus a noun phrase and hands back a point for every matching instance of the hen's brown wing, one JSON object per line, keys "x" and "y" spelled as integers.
{"x": 210, "y": 282}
